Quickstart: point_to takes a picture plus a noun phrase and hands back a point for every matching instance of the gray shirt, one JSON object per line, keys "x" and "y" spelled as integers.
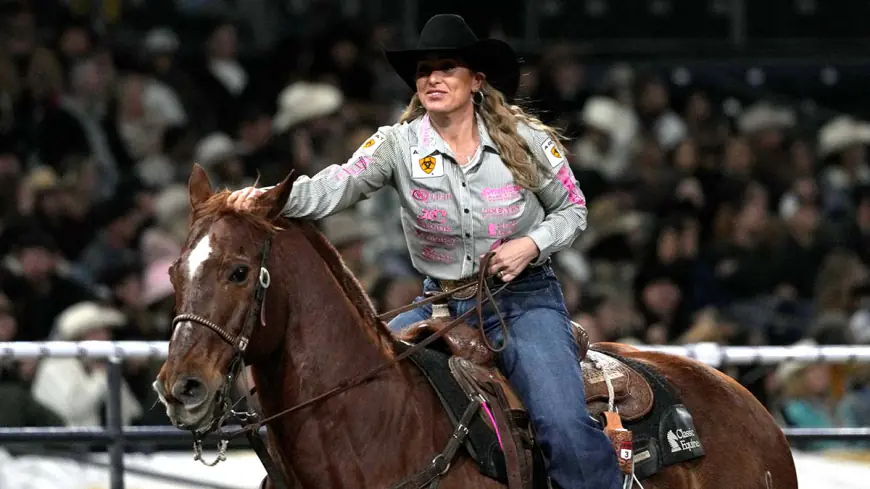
{"x": 451, "y": 214}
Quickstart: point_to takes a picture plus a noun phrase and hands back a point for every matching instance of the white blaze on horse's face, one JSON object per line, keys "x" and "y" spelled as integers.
{"x": 198, "y": 255}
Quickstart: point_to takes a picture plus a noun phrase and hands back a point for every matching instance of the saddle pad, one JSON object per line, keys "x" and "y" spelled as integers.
{"x": 666, "y": 435}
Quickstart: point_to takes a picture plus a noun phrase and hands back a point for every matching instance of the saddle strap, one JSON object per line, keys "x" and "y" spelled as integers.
{"x": 515, "y": 464}
{"x": 441, "y": 463}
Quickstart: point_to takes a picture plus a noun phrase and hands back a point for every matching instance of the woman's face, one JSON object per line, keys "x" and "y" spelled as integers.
{"x": 445, "y": 85}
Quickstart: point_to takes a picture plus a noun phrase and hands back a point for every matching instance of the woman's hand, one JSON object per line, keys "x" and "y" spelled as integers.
{"x": 242, "y": 199}
{"x": 512, "y": 257}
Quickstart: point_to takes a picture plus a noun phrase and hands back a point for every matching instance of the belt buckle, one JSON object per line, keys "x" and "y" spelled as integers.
{"x": 448, "y": 285}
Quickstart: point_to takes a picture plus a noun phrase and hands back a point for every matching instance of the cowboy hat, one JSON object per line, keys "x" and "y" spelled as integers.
{"x": 448, "y": 35}
{"x": 840, "y": 133}
{"x": 79, "y": 319}
{"x": 303, "y": 101}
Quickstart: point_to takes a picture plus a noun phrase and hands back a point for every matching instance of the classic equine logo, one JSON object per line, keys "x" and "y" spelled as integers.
{"x": 427, "y": 164}
{"x": 555, "y": 152}
{"x": 682, "y": 440}
{"x": 369, "y": 143}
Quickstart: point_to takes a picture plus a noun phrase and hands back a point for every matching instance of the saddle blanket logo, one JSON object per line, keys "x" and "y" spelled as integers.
{"x": 426, "y": 166}
{"x": 680, "y": 440}
{"x": 554, "y": 156}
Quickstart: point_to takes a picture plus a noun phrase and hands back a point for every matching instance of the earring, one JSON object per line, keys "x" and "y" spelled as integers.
{"x": 478, "y": 101}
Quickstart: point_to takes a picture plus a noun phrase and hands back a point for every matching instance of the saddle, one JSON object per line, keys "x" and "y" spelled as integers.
{"x": 632, "y": 395}
{"x": 606, "y": 379}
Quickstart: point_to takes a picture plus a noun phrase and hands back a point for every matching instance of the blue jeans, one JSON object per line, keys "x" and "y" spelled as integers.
{"x": 541, "y": 364}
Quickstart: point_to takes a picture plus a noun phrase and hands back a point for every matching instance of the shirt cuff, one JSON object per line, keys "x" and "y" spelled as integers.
{"x": 542, "y": 239}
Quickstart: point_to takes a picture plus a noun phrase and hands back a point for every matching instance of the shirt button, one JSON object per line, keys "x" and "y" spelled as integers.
{"x": 467, "y": 211}
{"x": 464, "y": 184}
{"x": 467, "y": 257}
{"x": 467, "y": 235}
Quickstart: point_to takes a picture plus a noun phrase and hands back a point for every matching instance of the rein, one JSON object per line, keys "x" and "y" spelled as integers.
{"x": 482, "y": 284}
{"x": 249, "y": 420}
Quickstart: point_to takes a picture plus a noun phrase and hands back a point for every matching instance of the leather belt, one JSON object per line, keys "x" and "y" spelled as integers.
{"x": 465, "y": 294}
{"x": 471, "y": 291}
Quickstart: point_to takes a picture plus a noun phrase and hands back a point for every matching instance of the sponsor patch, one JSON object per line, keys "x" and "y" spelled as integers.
{"x": 368, "y": 148}
{"x": 551, "y": 150}
{"x": 430, "y": 166}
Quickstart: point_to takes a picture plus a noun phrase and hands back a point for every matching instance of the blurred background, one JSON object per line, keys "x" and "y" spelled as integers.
{"x": 721, "y": 145}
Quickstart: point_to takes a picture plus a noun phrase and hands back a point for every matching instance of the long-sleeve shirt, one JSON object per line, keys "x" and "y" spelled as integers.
{"x": 452, "y": 214}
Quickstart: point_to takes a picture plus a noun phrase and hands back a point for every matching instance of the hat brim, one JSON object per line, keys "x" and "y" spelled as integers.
{"x": 492, "y": 57}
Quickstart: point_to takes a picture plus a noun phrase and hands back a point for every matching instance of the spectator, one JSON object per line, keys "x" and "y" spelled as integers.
{"x": 75, "y": 388}
{"x": 36, "y": 282}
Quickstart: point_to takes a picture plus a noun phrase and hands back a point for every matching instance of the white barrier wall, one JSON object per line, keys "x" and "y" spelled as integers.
{"x": 242, "y": 470}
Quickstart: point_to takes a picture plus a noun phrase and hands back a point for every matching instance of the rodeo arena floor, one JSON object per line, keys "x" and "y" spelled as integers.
{"x": 115, "y": 469}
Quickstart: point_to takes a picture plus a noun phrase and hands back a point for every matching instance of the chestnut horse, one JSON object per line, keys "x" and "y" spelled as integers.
{"x": 317, "y": 328}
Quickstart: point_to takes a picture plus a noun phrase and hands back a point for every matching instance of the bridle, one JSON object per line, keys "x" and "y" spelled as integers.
{"x": 239, "y": 343}
{"x": 250, "y": 421}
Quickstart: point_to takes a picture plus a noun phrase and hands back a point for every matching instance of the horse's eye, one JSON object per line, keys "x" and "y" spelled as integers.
{"x": 239, "y": 274}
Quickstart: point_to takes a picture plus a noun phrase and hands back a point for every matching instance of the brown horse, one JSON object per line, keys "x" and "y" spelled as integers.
{"x": 317, "y": 328}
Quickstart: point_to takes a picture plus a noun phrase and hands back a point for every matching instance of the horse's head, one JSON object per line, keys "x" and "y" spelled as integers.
{"x": 220, "y": 281}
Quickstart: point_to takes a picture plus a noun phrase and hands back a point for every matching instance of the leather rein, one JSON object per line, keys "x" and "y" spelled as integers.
{"x": 250, "y": 421}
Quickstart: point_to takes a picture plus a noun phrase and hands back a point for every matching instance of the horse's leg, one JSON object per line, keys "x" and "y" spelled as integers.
{"x": 741, "y": 439}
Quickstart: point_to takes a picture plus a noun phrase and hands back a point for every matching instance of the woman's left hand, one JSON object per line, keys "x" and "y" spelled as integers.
{"x": 512, "y": 257}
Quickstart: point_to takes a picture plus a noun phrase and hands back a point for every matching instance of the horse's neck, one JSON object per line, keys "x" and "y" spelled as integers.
{"x": 332, "y": 443}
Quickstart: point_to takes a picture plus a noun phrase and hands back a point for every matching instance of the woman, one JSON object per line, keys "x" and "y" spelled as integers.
{"x": 475, "y": 174}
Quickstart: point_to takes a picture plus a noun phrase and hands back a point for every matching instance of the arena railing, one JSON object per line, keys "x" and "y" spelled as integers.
{"x": 116, "y": 437}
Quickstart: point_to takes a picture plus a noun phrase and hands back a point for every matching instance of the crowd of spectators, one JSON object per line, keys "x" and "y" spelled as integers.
{"x": 702, "y": 227}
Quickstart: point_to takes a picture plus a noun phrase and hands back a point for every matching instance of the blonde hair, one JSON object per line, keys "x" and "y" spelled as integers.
{"x": 501, "y": 120}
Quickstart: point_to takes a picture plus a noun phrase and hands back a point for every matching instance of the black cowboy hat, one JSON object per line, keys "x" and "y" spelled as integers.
{"x": 448, "y": 35}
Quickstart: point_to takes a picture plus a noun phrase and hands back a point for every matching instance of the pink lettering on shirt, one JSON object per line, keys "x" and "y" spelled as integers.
{"x": 502, "y": 211}
{"x": 423, "y": 195}
{"x": 431, "y": 226}
{"x": 575, "y": 195}
{"x": 359, "y": 165}
{"x": 434, "y": 215}
{"x": 351, "y": 169}
{"x": 501, "y": 229}
{"x": 507, "y": 192}
{"x": 426, "y": 131}
{"x": 435, "y": 238}
{"x": 431, "y": 254}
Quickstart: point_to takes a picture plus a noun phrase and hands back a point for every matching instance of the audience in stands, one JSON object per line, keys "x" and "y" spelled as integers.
{"x": 706, "y": 223}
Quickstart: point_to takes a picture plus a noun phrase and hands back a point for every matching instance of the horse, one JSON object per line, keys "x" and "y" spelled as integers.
{"x": 271, "y": 292}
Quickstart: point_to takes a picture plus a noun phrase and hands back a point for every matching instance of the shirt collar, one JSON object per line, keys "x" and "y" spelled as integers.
{"x": 428, "y": 140}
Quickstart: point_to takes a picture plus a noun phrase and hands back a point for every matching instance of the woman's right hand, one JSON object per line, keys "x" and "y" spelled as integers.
{"x": 242, "y": 199}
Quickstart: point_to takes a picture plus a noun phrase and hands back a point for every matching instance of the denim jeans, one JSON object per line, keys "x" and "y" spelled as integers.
{"x": 540, "y": 362}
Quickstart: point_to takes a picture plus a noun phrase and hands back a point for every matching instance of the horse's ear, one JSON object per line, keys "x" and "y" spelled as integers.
{"x": 277, "y": 196}
{"x": 199, "y": 186}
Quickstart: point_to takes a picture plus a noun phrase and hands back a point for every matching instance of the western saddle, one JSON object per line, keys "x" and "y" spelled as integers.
{"x": 632, "y": 395}
{"x": 615, "y": 392}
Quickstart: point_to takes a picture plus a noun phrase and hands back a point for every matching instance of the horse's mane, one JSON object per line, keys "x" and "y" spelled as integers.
{"x": 349, "y": 284}
{"x": 216, "y": 207}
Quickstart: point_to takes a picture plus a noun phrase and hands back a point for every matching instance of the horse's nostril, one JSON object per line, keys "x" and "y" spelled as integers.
{"x": 189, "y": 390}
